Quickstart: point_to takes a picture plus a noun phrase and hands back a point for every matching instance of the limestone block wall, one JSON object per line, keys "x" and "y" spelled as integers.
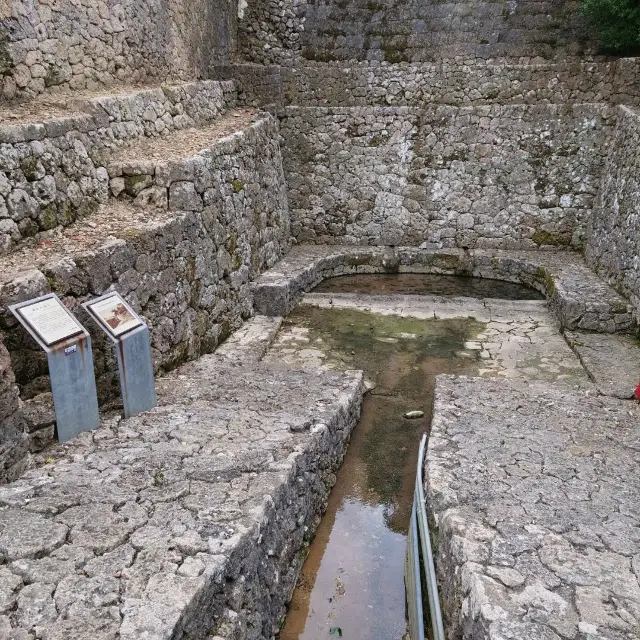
{"x": 613, "y": 242}
{"x": 409, "y": 30}
{"x": 186, "y": 272}
{"x": 88, "y": 44}
{"x": 504, "y": 81}
{"x": 53, "y": 172}
{"x": 13, "y": 439}
{"x": 270, "y": 32}
{"x": 512, "y": 176}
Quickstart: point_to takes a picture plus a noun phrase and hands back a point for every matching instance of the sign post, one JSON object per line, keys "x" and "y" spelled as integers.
{"x": 130, "y": 335}
{"x": 68, "y": 347}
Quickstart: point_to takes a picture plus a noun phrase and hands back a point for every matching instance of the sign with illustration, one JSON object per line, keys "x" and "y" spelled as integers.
{"x": 128, "y": 331}
{"x": 114, "y": 314}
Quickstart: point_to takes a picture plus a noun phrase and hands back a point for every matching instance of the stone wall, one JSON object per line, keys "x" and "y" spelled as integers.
{"x": 89, "y": 44}
{"x": 13, "y": 439}
{"x": 512, "y": 176}
{"x": 613, "y": 243}
{"x": 456, "y": 83}
{"x": 270, "y": 32}
{"x": 409, "y": 30}
{"x": 460, "y": 83}
{"x": 52, "y": 173}
{"x": 186, "y": 272}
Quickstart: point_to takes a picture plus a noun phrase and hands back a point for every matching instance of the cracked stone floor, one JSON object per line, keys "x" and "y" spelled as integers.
{"x": 532, "y": 467}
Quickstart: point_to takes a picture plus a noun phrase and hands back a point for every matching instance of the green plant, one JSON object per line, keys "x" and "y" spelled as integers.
{"x": 615, "y": 22}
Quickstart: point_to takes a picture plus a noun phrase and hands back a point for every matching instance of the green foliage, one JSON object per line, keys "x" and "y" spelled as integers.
{"x": 615, "y": 22}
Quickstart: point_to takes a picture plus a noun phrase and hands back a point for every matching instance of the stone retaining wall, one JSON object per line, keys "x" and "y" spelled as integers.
{"x": 92, "y": 43}
{"x": 13, "y": 439}
{"x": 613, "y": 244}
{"x": 399, "y": 31}
{"x": 457, "y": 82}
{"x": 414, "y": 30}
{"x": 187, "y": 274}
{"x": 511, "y": 176}
{"x": 461, "y": 82}
{"x": 53, "y": 172}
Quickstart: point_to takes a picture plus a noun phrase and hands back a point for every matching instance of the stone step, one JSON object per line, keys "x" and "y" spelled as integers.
{"x": 146, "y": 170}
{"x": 612, "y": 361}
{"x": 53, "y": 156}
{"x": 183, "y": 182}
{"x": 579, "y": 299}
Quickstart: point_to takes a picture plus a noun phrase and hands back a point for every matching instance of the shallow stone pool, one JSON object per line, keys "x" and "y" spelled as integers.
{"x": 434, "y": 284}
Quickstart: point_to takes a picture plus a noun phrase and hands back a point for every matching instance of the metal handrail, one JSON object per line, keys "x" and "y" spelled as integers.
{"x": 420, "y": 525}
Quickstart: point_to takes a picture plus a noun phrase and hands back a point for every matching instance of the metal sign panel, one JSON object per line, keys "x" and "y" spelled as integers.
{"x": 68, "y": 347}
{"x": 130, "y": 335}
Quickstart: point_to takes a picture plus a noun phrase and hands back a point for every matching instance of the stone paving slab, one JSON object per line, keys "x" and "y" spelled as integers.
{"x": 579, "y": 299}
{"x": 251, "y": 341}
{"x": 612, "y": 361}
{"x": 535, "y": 494}
{"x": 186, "y": 521}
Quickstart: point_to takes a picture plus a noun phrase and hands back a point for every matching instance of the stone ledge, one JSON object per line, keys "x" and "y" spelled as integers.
{"x": 52, "y": 117}
{"x": 612, "y": 361}
{"x": 180, "y": 522}
{"x": 534, "y": 492}
{"x": 577, "y": 296}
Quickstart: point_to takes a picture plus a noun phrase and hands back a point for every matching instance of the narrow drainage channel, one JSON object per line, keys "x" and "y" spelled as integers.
{"x": 352, "y": 583}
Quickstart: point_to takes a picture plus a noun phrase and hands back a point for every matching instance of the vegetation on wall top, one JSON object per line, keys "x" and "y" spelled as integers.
{"x": 615, "y": 22}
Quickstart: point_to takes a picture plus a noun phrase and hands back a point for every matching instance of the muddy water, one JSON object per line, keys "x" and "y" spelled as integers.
{"x": 420, "y": 283}
{"x": 352, "y": 583}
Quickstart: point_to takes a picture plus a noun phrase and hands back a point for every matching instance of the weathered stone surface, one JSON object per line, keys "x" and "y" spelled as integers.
{"x": 176, "y": 521}
{"x": 121, "y": 43}
{"x": 612, "y": 361}
{"x": 493, "y": 176}
{"x": 28, "y": 535}
{"x": 544, "y": 482}
{"x": 613, "y": 238}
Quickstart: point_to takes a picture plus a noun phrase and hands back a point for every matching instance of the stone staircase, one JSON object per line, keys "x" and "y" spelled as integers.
{"x": 174, "y": 195}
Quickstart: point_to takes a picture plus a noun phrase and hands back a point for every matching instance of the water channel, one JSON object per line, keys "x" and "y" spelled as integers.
{"x": 352, "y": 582}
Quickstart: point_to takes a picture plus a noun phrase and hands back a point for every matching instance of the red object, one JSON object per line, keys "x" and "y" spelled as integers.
{"x": 637, "y": 393}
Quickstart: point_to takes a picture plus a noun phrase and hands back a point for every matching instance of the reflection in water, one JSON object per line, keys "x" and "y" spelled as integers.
{"x": 422, "y": 283}
{"x": 353, "y": 576}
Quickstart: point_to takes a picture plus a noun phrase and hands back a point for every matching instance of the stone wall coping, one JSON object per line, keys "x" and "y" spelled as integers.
{"x": 579, "y": 299}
